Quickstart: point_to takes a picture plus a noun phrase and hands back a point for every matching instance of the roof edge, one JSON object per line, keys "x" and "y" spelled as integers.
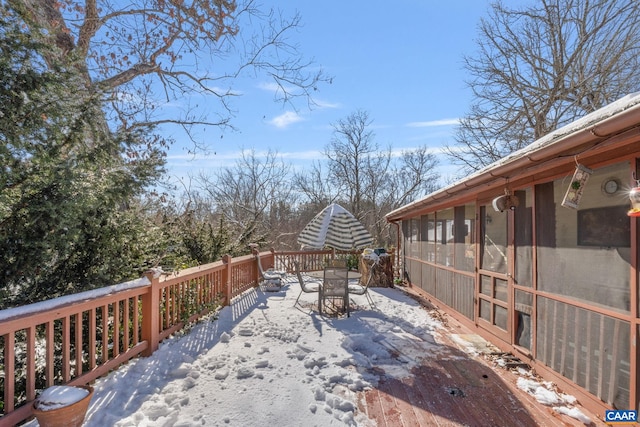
{"x": 610, "y": 120}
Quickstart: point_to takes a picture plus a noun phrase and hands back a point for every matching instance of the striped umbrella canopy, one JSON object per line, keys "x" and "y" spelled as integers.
{"x": 337, "y": 228}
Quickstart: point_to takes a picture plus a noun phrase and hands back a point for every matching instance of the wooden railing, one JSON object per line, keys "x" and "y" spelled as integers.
{"x": 78, "y": 338}
{"x": 309, "y": 260}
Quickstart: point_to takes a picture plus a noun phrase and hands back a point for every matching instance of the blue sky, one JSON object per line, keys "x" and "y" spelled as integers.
{"x": 401, "y": 62}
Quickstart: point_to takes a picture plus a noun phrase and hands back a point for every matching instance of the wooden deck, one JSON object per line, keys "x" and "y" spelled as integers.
{"x": 458, "y": 389}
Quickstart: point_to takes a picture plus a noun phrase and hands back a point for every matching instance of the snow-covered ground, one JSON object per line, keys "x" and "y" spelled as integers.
{"x": 264, "y": 362}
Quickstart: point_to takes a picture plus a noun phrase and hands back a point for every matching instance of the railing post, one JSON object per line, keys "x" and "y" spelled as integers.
{"x": 151, "y": 314}
{"x": 254, "y": 271}
{"x": 273, "y": 258}
{"x": 226, "y": 278}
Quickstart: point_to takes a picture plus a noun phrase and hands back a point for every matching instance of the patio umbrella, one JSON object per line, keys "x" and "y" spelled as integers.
{"x": 337, "y": 228}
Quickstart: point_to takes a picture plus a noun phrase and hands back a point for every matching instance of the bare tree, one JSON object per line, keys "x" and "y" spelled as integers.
{"x": 351, "y": 148}
{"x": 254, "y": 197}
{"x": 541, "y": 67}
{"x": 409, "y": 176}
{"x": 144, "y": 54}
{"x": 373, "y": 181}
{"x": 313, "y": 184}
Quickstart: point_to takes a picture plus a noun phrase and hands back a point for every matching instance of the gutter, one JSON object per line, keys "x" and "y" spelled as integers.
{"x": 598, "y": 130}
{"x": 398, "y": 242}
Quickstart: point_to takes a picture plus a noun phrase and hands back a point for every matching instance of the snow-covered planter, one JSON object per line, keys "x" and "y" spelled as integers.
{"x": 62, "y": 406}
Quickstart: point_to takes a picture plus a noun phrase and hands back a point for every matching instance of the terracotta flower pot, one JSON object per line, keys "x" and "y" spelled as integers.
{"x": 71, "y": 415}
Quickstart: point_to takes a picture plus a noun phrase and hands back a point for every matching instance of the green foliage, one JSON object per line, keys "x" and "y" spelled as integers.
{"x": 353, "y": 261}
{"x": 204, "y": 241}
{"x": 187, "y": 236}
{"x": 66, "y": 183}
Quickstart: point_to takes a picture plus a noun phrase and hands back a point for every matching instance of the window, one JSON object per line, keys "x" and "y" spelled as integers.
{"x": 464, "y": 237}
{"x": 584, "y": 253}
{"x": 493, "y": 227}
{"x": 444, "y": 237}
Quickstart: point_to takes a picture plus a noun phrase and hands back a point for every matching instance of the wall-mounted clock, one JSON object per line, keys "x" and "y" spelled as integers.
{"x": 610, "y": 186}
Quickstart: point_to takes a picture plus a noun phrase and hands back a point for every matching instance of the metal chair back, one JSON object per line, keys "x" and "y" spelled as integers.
{"x": 305, "y": 287}
{"x": 336, "y": 286}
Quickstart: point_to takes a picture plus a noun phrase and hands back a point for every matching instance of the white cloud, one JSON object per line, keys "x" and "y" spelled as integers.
{"x": 284, "y": 120}
{"x": 431, "y": 123}
{"x": 303, "y": 155}
{"x": 326, "y": 104}
{"x": 270, "y": 87}
{"x": 277, "y": 88}
{"x": 397, "y": 152}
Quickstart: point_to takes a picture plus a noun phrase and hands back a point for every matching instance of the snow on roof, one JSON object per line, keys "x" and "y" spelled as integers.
{"x": 585, "y": 122}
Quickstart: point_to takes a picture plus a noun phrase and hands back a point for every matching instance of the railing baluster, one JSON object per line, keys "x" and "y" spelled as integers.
{"x": 116, "y": 329}
{"x": 31, "y": 362}
{"x": 105, "y": 333}
{"x": 49, "y": 357}
{"x": 66, "y": 374}
{"x": 136, "y": 323}
{"x": 78, "y": 343}
{"x": 9, "y": 371}
{"x": 125, "y": 325}
{"x": 170, "y": 306}
{"x": 91, "y": 345}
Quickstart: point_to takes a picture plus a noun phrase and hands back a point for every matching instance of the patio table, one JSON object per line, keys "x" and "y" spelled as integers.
{"x": 352, "y": 274}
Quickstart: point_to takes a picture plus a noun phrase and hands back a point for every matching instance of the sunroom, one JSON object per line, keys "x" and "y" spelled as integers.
{"x": 538, "y": 253}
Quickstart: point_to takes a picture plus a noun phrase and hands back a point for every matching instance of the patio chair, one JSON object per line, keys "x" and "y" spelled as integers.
{"x": 358, "y": 289}
{"x": 335, "y": 287}
{"x": 271, "y": 278}
{"x": 306, "y": 286}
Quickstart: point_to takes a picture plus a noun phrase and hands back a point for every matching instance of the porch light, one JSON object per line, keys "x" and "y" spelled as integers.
{"x": 502, "y": 203}
{"x": 576, "y": 187}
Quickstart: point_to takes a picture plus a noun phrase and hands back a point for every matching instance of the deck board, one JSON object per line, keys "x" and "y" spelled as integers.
{"x": 455, "y": 388}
